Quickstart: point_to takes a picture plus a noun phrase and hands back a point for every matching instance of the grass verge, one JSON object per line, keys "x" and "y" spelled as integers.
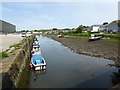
{"x": 3, "y": 55}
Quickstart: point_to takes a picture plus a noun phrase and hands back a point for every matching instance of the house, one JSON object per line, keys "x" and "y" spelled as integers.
{"x": 86, "y": 29}
{"x": 103, "y": 28}
{"x": 95, "y": 28}
{"x": 113, "y": 27}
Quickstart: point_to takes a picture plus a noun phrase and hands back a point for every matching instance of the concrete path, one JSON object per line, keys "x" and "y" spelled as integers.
{"x": 7, "y": 40}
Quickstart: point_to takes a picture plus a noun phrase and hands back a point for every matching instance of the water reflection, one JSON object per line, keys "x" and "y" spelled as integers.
{"x": 37, "y": 73}
{"x": 117, "y": 63}
{"x": 116, "y": 77}
{"x": 66, "y": 69}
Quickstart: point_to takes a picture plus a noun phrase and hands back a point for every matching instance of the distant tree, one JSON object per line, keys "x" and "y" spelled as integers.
{"x": 66, "y": 29}
{"x": 54, "y": 29}
{"x": 35, "y": 30}
{"x": 23, "y": 31}
{"x": 73, "y": 28}
{"x": 86, "y": 26}
{"x": 27, "y": 30}
{"x": 105, "y": 23}
{"x": 80, "y": 29}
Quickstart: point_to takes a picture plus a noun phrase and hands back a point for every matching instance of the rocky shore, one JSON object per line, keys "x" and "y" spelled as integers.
{"x": 104, "y": 48}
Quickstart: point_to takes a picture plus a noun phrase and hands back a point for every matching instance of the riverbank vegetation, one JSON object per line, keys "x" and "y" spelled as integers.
{"x": 87, "y": 34}
{"x": 10, "y": 50}
{"x": 3, "y": 55}
{"x": 84, "y": 32}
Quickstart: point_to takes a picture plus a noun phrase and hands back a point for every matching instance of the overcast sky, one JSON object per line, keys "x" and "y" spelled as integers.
{"x": 47, "y": 15}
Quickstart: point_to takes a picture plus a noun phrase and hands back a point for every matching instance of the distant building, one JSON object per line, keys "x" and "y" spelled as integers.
{"x": 95, "y": 28}
{"x": 86, "y": 29}
{"x": 103, "y": 28}
{"x": 6, "y": 27}
{"x": 113, "y": 27}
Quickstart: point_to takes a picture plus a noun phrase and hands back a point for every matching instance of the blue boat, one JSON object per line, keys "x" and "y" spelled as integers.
{"x": 38, "y": 62}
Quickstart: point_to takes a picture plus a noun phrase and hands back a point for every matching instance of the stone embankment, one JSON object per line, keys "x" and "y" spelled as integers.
{"x": 16, "y": 75}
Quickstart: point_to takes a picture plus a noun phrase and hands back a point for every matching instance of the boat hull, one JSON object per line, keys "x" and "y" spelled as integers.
{"x": 37, "y": 64}
{"x": 94, "y": 39}
{"x": 37, "y": 61}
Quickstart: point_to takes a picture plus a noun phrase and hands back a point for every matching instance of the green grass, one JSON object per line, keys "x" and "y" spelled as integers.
{"x": 113, "y": 36}
{"x": 3, "y": 55}
{"x": 16, "y": 46}
{"x": 7, "y": 50}
{"x": 86, "y": 34}
{"x": 73, "y": 34}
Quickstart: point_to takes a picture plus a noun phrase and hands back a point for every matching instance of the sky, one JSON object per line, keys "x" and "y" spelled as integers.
{"x": 48, "y": 15}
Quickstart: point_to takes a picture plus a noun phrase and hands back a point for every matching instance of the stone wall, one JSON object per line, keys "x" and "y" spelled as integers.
{"x": 15, "y": 76}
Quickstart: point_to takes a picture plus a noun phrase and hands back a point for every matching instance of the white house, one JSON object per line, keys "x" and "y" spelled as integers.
{"x": 95, "y": 28}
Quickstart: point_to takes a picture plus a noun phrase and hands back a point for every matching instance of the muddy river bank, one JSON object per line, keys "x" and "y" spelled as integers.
{"x": 103, "y": 48}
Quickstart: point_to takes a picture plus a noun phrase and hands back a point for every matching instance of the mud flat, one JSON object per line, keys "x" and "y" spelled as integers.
{"x": 104, "y": 48}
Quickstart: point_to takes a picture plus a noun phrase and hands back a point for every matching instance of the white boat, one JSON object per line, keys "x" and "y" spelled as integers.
{"x": 93, "y": 37}
{"x": 36, "y": 43}
{"x": 36, "y": 50}
{"x": 38, "y": 62}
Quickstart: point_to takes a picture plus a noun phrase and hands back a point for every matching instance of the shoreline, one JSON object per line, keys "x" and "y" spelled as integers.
{"x": 107, "y": 49}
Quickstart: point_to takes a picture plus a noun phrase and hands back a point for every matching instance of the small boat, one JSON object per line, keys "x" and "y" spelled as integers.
{"x": 93, "y": 37}
{"x": 37, "y": 62}
{"x": 36, "y": 43}
{"x": 60, "y": 36}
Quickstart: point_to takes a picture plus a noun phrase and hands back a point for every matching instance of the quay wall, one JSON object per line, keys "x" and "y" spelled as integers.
{"x": 16, "y": 76}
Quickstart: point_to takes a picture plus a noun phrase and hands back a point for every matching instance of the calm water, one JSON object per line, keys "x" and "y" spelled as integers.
{"x": 66, "y": 69}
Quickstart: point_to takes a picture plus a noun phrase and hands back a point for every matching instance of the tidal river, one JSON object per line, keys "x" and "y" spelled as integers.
{"x": 66, "y": 69}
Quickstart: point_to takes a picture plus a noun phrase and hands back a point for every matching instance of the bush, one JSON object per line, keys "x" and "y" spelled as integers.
{"x": 3, "y": 55}
{"x": 80, "y": 29}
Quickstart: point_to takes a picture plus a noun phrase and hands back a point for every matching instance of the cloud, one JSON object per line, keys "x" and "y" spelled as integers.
{"x": 60, "y": 15}
{"x": 33, "y": 24}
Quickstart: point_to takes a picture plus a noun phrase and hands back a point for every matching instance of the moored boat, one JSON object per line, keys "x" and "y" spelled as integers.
{"x": 93, "y": 37}
{"x": 60, "y": 36}
{"x": 37, "y": 62}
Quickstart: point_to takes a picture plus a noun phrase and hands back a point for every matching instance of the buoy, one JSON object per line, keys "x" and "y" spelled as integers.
{"x": 32, "y": 52}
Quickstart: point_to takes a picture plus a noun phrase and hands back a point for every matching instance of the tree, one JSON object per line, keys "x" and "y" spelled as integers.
{"x": 105, "y": 23}
{"x": 54, "y": 29}
{"x": 23, "y": 31}
{"x": 80, "y": 29}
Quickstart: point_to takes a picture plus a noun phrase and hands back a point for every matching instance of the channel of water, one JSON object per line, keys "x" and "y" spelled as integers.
{"x": 66, "y": 69}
